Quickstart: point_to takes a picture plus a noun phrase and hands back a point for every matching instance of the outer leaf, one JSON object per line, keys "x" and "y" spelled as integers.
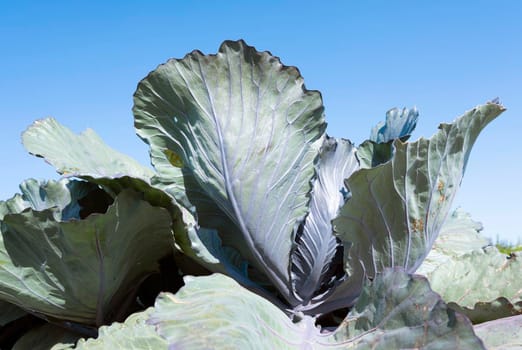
{"x": 246, "y": 129}
{"x": 505, "y": 333}
{"x": 371, "y": 154}
{"x": 474, "y": 282}
{"x": 88, "y": 157}
{"x": 62, "y": 196}
{"x": 400, "y": 311}
{"x": 133, "y": 334}
{"x": 85, "y": 154}
{"x": 396, "y": 311}
{"x": 463, "y": 256}
{"x": 398, "y": 208}
{"x": 215, "y": 312}
{"x": 484, "y": 311}
{"x": 398, "y": 125}
{"x": 316, "y": 245}
{"x": 9, "y": 312}
{"x": 458, "y": 236}
{"x": 46, "y": 337}
{"x": 81, "y": 270}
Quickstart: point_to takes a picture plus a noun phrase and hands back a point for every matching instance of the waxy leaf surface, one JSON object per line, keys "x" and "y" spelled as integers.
{"x": 242, "y": 127}
{"x": 78, "y": 269}
{"x": 397, "y": 208}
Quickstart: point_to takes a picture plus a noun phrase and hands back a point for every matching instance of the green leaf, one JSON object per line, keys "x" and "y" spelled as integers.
{"x": 133, "y": 334}
{"x": 484, "y": 284}
{"x": 371, "y": 154}
{"x": 79, "y": 155}
{"x": 461, "y": 260}
{"x": 484, "y": 311}
{"x": 395, "y": 311}
{"x": 9, "y": 312}
{"x": 379, "y": 148}
{"x": 397, "y": 209}
{"x": 81, "y": 270}
{"x": 216, "y": 312}
{"x": 505, "y": 333}
{"x": 62, "y": 197}
{"x": 86, "y": 156}
{"x": 46, "y": 337}
{"x": 398, "y": 125}
{"x": 247, "y": 133}
{"x": 400, "y": 311}
{"x": 458, "y": 236}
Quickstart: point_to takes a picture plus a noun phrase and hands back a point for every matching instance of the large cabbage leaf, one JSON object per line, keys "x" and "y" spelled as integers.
{"x": 85, "y": 154}
{"x": 400, "y": 311}
{"x": 470, "y": 274}
{"x": 9, "y": 312}
{"x": 398, "y": 208}
{"x": 62, "y": 196}
{"x": 115, "y": 172}
{"x": 45, "y": 337}
{"x": 502, "y": 334}
{"x": 458, "y": 236}
{"x": 484, "y": 284}
{"x": 73, "y": 268}
{"x": 316, "y": 244}
{"x": 394, "y": 311}
{"x": 133, "y": 334}
{"x": 242, "y": 127}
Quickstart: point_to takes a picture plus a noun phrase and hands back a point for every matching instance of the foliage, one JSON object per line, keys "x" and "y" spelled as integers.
{"x": 285, "y": 237}
{"x": 466, "y": 258}
{"x": 508, "y": 248}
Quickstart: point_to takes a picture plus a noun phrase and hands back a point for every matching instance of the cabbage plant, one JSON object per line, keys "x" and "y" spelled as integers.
{"x": 255, "y": 230}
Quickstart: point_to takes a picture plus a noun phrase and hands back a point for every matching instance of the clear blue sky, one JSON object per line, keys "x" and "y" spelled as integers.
{"x": 80, "y": 61}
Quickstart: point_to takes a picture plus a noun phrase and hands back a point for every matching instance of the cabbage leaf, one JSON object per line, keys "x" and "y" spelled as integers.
{"x": 397, "y": 208}
{"x": 244, "y": 128}
{"x": 74, "y": 268}
{"x": 395, "y": 311}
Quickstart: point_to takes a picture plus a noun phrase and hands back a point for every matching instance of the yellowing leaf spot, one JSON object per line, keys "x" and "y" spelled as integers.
{"x": 173, "y": 158}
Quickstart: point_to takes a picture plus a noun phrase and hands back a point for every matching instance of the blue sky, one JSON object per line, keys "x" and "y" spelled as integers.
{"x": 80, "y": 61}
